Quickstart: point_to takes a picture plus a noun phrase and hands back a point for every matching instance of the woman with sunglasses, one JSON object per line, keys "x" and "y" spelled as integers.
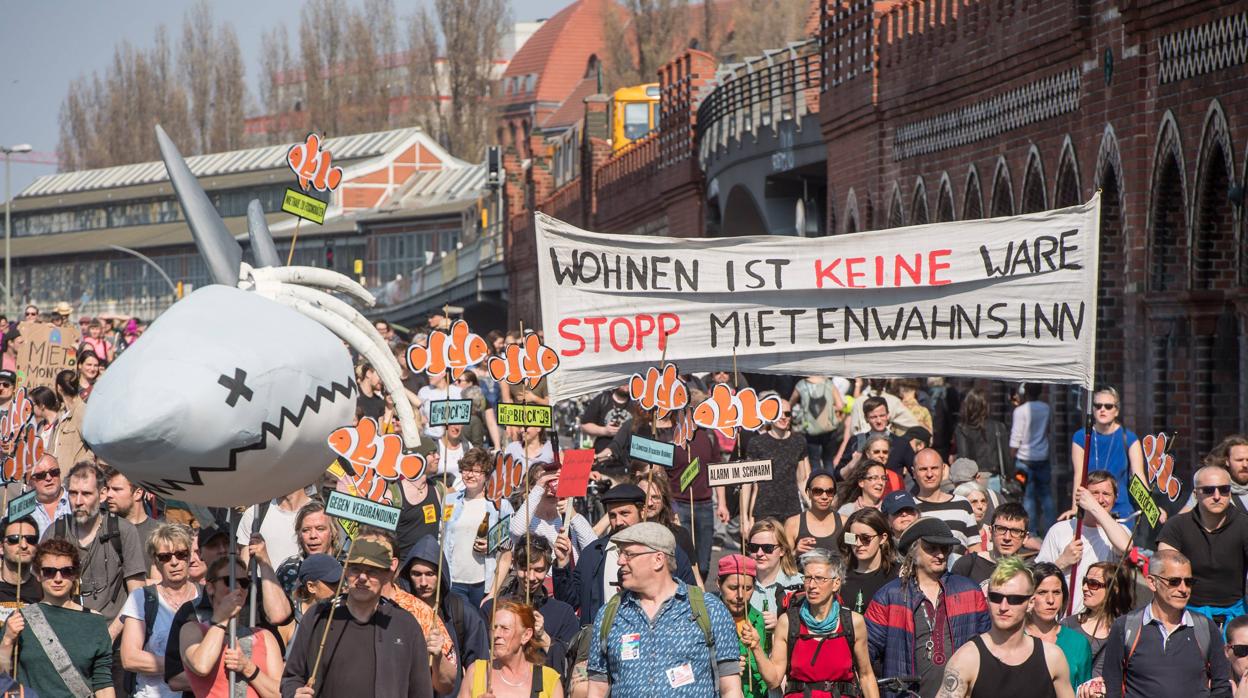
{"x": 821, "y": 525}
{"x": 1048, "y": 602}
{"x": 1237, "y": 654}
{"x": 143, "y": 652}
{"x": 257, "y": 660}
{"x": 81, "y": 634}
{"x": 777, "y": 569}
{"x": 1114, "y": 448}
{"x": 1108, "y": 592}
{"x": 867, "y": 547}
{"x": 864, "y": 489}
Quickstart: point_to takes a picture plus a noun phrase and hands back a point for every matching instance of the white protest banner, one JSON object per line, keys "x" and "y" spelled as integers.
{"x": 738, "y": 473}
{"x": 1011, "y": 298}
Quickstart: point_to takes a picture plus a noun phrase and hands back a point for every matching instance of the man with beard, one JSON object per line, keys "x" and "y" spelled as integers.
{"x": 20, "y": 538}
{"x": 113, "y": 561}
{"x": 126, "y": 500}
{"x": 1006, "y": 661}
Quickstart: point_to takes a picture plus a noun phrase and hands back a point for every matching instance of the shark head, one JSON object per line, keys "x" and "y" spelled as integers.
{"x": 227, "y": 399}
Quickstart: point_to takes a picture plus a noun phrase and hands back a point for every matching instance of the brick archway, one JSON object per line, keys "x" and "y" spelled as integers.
{"x": 1034, "y": 198}
{"x": 1168, "y": 214}
{"x": 1066, "y": 191}
{"x": 1002, "y": 191}
{"x": 918, "y": 206}
{"x": 973, "y": 202}
{"x": 1213, "y": 234}
{"x": 896, "y": 214}
{"x": 944, "y": 200}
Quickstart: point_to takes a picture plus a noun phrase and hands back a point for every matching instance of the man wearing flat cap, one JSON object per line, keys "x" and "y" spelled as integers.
{"x": 916, "y": 622}
{"x": 593, "y": 579}
{"x": 660, "y": 636}
{"x": 373, "y": 645}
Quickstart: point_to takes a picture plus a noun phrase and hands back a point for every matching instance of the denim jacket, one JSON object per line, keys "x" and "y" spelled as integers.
{"x": 454, "y": 502}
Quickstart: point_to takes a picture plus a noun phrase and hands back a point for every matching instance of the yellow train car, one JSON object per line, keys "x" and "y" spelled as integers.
{"x": 634, "y": 113}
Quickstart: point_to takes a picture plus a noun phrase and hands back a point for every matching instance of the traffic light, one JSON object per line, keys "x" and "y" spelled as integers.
{"x": 329, "y": 257}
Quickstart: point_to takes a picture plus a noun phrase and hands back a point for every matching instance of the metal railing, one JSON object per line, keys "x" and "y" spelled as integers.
{"x": 761, "y": 91}
{"x": 452, "y": 266}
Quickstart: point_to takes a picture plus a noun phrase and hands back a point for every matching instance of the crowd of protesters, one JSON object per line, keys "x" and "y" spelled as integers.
{"x": 910, "y": 542}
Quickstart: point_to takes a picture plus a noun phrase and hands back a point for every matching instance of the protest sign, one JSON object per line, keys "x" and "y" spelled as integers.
{"x": 453, "y": 351}
{"x": 1010, "y": 298}
{"x": 689, "y": 473}
{"x": 499, "y": 534}
{"x": 514, "y": 415}
{"x": 651, "y": 451}
{"x": 45, "y": 350}
{"x": 22, "y": 506}
{"x": 306, "y": 207}
{"x": 1160, "y": 465}
{"x": 444, "y": 412}
{"x": 1144, "y": 500}
{"x": 574, "y": 475}
{"x": 363, "y": 511}
{"x": 507, "y": 476}
{"x": 738, "y": 473}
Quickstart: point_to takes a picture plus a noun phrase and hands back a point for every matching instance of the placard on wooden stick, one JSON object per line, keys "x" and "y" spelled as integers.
{"x": 651, "y": 451}
{"x": 515, "y": 415}
{"x": 738, "y": 473}
{"x": 362, "y": 511}
{"x": 445, "y": 412}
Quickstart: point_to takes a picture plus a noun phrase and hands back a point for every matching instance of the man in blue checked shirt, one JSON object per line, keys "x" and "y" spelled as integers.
{"x": 660, "y": 636}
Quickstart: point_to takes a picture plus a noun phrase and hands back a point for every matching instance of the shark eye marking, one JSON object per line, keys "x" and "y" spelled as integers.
{"x": 237, "y": 387}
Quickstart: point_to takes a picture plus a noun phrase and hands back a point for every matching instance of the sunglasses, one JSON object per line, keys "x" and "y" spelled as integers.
{"x": 15, "y": 539}
{"x": 766, "y": 548}
{"x": 1240, "y": 651}
{"x": 243, "y": 582}
{"x": 180, "y": 554}
{"x": 860, "y": 538}
{"x": 823, "y": 491}
{"x": 1208, "y": 490}
{"x": 1013, "y": 599}
{"x": 1093, "y": 584}
{"x": 49, "y": 474}
{"x": 1105, "y": 405}
{"x": 30, "y": 314}
{"x": 1174, "y": 582}
{"x": 6, "y": 385}
{"x": 68, "y": 572}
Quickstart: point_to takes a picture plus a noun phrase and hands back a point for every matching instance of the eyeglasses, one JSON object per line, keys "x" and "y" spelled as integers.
{"x": 1013, "y": 599}
{"x": 68, "y": 572}
{"x": 765, "y": 548}
{"x": 626, "y": 556}
{"x": 1208, "y": 490}
{"x": 817, "y": 580}
{"x": 935, "y": 548}
{"x": 241, "y": 580}
{"x": 1008, "y": 531}
{"x": 49, "y": 474}
{"x": 1093, "y": 584}
{"x": 1240, "y": 651}
{"x": 15, "y": 539}
{"x": 180, "y": 554}
{"x": 822, "y": 491}
{"x": 1105, "y": 405}
{"x": 875, "y": 478}
{"x": 471, "y": 471}
{"x": 1174, "y": 582}
{"x": 784, "y": 415}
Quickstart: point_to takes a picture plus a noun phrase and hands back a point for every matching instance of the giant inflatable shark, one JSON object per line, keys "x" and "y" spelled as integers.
{"x": 229, "y": 397}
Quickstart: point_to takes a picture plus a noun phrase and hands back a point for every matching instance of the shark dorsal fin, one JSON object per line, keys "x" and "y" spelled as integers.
{"x": 221, "y": 252}
{"x": 262, "y": 247}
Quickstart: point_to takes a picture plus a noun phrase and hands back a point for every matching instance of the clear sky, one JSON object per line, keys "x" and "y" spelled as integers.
{"x": 44, "y": 44}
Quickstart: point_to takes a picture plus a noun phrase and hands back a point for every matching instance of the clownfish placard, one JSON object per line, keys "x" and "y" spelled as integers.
{"x": 455, "y": 351}
{"x": 662, "y": 391}
{"x": 1160, "y": 465}
{"x": 313, "y": 166}
{"x": 529, "y": 361}
{"x": 725, "y": 412}
{"x": 372, "y": 459}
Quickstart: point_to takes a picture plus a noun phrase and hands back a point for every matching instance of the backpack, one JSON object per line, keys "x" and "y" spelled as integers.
{"x": 151, "y": 607}
{"x": 697, "y": 603}
{"x": 817, "y": 408}
{"x": 455, "y": 614}
{"x": 112, "y": 532}
{"x": 795, "y": 621}
{"x": 1202, "y": 628}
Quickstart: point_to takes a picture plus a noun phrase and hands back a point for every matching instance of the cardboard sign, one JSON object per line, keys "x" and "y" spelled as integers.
{"x": 1160, "y": 465}
{"x": 444, "y": 412}
{"x": 22, "y": 506}
{"x": 526, "y": 362}
{"x": 453, "y": 351}
{"x": 662, "y": 391}
{"x": 574, "y": 475}
{"x": 690, "y": 472}
{"x": 364, "y": 511}
{"x": 313, "y": 166}
{"x": 726, "y": 411}
{"x": 499, "y": 534}
{"x": 45, "y": 351}
{"x": 1144, "y": 500}
{"x": 309, "y": 208}
{"x": 508, "y": 474}
{"x": 651, "y": 451}
{"x": 738, "y": 473}
{"x": 513, "y": 415}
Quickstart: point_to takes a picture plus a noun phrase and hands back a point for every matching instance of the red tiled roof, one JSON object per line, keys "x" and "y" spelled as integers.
{"x": 573, "y": 108}
{"x": 558, "y": 53}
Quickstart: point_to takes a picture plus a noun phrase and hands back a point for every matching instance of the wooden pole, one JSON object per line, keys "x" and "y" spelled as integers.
{"x": 437, "y": 587}
{"x": 329, "y": 618}
{"x": 291, "y": 255}
{"x": 736, "y": 446}
{"x": 531, "y": 510}
{"x": 1082, "y": 482}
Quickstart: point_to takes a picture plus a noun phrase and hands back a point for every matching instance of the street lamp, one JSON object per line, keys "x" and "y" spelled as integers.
{"x": 8, "y": 257}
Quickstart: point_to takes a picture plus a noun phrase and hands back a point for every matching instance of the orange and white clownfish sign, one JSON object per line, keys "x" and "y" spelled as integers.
{"x": 659, "y": 390}
{"x": 313, "y": 166}
{"x": 529, "y": 362}
{"x": 455, "y": 351}
{"x": 372, "y": 459}
{"x": 725, "y": 412}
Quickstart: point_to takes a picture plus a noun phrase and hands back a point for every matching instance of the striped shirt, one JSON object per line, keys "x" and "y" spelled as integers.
{"x": 956, "y": 512}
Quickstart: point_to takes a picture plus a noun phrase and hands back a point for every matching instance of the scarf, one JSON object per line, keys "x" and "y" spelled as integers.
{"x": 828, "y": 625}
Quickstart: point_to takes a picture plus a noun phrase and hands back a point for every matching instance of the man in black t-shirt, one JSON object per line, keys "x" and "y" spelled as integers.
{"x": 20, "y": 538}
{"x": 1009, "y": 530}
{"x": 603, "y": 419}
{"x": 370, "y": 402}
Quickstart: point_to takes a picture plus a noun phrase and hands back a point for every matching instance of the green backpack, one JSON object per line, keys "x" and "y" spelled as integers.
{"x": 697, "y": 603}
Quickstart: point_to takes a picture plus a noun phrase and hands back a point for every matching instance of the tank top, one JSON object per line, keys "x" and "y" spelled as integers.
{"x": 814, "y": 660}
{"x": 826, "y": 542}
{"x": 217, "y": 684}
{"x": 548, "y": 678}
{"x": 1031, "y": 679}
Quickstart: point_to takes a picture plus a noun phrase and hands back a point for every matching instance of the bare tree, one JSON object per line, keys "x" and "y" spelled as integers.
{"x": 321, "y": 29}
{"x": 195, "y": 62}
{"x": 759, "y": 25}
{"x": 281, "y": 94}
{"x": 642, "y": 39}
{"x": 229, "y": 93}
{"x": 370, "y": 43}
{"x": 421, "y": 72}
{"x": 472, "y": 34}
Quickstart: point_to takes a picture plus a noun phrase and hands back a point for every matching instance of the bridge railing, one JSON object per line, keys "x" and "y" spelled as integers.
{"x": 761, "y": 91}
{"x": 452, "y": 266}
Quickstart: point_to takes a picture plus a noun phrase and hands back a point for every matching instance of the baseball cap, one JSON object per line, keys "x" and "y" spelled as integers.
{"x": 207, "y": 533}
{"x": 737, "y": 564}
{"x": 927, "y": 528}
{"x": 896, "y": 501}
{"x": 371, "y": 553}
{"x": 9, "y": 376}
{"x": 623, "y": 492}
{"x": 963, "y": 470}
{"x": 653, "y": 535}
{"x": 320, "y": 567}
